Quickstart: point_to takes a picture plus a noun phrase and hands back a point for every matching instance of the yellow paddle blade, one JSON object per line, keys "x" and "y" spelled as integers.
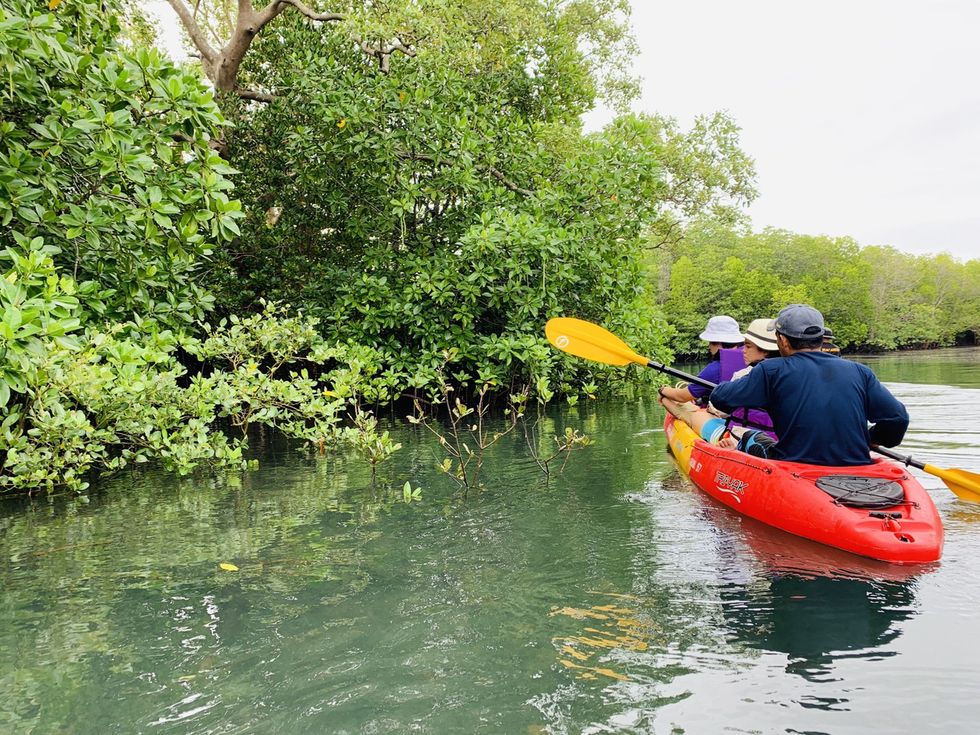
{"x": 965, "y": 484}
{"x": 588, "y": 340}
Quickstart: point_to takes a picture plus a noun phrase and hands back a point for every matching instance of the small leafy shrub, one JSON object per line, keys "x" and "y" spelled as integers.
{"x": 535, "y": 430}
{"x": 464, "y": 435}
{"x": 103, "y": 400}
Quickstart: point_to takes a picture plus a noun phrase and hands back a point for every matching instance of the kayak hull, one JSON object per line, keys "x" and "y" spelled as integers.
{"x": 785, "y": 495}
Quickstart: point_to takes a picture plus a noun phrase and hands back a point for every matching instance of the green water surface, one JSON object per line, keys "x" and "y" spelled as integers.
{"x": 616, "y": 598}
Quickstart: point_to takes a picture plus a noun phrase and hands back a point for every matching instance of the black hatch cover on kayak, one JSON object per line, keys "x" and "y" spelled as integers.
{"x": 862, "y": 492}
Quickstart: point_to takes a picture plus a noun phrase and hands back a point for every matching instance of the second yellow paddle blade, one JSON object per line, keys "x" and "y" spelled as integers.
{"x": 964, "y": 484}
{"x": 588, "y": 340}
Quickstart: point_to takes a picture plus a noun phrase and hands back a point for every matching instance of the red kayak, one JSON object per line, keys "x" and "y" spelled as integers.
{"x": 877, "y": 510}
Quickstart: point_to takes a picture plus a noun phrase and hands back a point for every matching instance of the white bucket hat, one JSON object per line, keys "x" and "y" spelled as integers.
{"x": 759, "y": 334}
{"x": 722, "y": 329}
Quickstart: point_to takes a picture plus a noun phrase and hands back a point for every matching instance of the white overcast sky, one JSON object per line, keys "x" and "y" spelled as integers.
{"x": 863, "y": 116}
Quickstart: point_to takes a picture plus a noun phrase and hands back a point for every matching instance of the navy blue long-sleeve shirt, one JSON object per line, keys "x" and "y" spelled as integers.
{"x": 820, "y": 406}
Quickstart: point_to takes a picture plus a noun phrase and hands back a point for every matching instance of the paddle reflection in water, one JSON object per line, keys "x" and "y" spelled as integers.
{"x": 604, "y": 627}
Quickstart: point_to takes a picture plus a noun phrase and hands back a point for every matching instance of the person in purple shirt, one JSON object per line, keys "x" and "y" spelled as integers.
{"x": 720, "y": 333}
{"x": 821, "y": 405}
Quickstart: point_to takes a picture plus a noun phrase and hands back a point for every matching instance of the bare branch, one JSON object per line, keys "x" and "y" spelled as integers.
{"x": 384, "y": 51}
{"x": 254, "y": 94}
{"x": 499, "y": 176}
{"x": 222, "y": 65}
{"x": 398, "y": 45}
{"x": 309, "y": 12}
{"x": 193, "y": 30}
{"x": 267, "y": 13}
{"x": 665, "y": 237}
{"x": 273, "y": 9}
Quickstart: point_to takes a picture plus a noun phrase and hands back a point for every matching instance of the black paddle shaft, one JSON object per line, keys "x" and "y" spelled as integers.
{"x": 659, "y": 366}
{"x": 898, "y": 457}
{"x": 700, "y": 381}
{"x": 682, "y": 375}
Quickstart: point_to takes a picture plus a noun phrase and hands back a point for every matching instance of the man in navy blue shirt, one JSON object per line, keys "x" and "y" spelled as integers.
{"x": 820, "y": 404}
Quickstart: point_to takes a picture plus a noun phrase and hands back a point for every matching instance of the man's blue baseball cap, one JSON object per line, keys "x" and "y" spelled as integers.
{"x": 798, "y": 321}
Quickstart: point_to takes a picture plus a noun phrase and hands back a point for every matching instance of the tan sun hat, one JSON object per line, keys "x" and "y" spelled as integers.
{"x": 759, "y": 334}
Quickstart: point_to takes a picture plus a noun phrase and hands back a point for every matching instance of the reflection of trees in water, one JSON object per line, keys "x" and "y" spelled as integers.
{"x": 120, "y": 593}
{"x": 127, "y": 582}
{"x": 943, "y": 367}
{"x": 817, "y": 620}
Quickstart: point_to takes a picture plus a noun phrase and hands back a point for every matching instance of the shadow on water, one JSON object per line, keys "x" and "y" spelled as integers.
{"x": 817, "y": 620}
{"x": 813, "y": 603}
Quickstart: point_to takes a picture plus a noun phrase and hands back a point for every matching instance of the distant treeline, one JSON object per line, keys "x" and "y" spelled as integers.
{"x": 874, "y": 298}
